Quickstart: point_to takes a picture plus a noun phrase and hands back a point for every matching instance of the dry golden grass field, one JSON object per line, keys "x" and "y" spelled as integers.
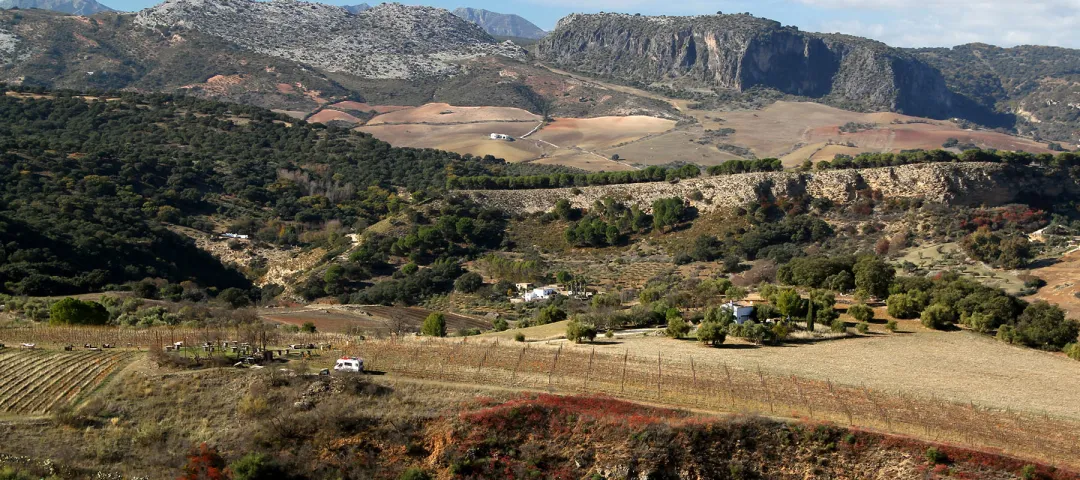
{"x": 370, "y": 320}
{"x": 956, "y": 366}
{"x": 946, "y": 386}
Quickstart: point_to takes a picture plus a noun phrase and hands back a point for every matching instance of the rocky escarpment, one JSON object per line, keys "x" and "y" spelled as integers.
{"x": 389, "y": 41}
{"x": 953, "y": 183}
{"x": 740, "y": 52}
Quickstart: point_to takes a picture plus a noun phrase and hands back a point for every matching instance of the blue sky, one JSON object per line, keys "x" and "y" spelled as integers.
{"x": 905, "y": 23}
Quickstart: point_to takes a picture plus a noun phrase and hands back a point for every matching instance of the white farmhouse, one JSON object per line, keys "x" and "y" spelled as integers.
{"x": 542, "y": 293}
{"x": 741, "y": 310}
{"x": 502, "y": 136}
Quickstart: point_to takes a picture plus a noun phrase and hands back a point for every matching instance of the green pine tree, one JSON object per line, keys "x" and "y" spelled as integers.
{"x": 434, "y": 325}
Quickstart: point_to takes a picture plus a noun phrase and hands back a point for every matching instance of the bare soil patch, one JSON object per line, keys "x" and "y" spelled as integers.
{"x": 445, "y": 113}
{"x": 297, "y": 114}
{"x": 326, "y": 115}
{"x": 785, "y": 129}
{"x": 473, "y": 138}
{"x": 602, "y": 132}
{"x": 1062, "y": 284}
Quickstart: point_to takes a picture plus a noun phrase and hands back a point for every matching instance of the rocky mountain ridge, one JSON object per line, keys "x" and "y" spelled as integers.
{"x": 388, "y": 41}
{"x": 741, "y": 52}
{"x": 501, "y": 24}
{"x": 74, "y": 7}
{"x": 971, "y": 184}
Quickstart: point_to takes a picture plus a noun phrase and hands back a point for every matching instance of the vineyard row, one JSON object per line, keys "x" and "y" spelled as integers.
{"x": 719, "y": 387}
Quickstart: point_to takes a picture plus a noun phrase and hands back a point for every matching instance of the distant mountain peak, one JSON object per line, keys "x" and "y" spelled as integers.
{"x": 389, "y": 40}
{"x": 74, "y": 7}
{"x": 355, "y": 9}
{"x": 501, "y": 24}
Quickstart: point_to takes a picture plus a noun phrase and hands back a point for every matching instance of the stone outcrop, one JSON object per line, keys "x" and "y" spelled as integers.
{"x": 742, "y": 51}
{"x": 972, "y": 184}
{"x": 388, "y": 41}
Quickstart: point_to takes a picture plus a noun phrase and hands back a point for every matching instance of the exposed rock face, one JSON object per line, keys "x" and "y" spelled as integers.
{"x": 387, "y": 41}
{"x": 953, "y": 183}
{"x": 742, "y": 51}
{"x": 74, "y": 7}
{"x": 8, "y": 44}
{"x": 501, "y": 24}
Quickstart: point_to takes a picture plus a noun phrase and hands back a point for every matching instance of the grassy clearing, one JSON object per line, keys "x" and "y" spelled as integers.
{"x": 550, "y": 331}
{"x": 949, "y": 256}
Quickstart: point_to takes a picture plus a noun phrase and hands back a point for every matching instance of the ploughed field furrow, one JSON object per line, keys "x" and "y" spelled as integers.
{"x": 38, "y": 372}
{"x": 65, "y": 369}
{"x": 18, "y": 378}
{"x": 88, "y": 380}
{"x": 72, "y": 373}
{"x": 14, "y": 362}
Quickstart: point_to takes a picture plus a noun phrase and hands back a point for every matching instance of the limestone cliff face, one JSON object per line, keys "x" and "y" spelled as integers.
{"x": 742, "y": 51}
{"x": 971, "y": 184}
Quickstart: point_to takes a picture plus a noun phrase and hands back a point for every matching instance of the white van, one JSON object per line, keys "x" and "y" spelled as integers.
{"x": 349, "y": 364}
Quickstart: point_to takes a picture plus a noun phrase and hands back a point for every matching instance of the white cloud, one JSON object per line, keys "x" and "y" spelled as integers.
{"x": 952, "y": 22}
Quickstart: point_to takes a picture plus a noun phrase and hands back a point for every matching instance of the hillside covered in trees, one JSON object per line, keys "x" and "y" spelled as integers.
{"x": 89, "y": 185}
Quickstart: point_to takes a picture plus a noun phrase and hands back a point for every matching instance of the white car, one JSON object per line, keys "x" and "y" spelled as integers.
{"x": 349, "y": 364}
